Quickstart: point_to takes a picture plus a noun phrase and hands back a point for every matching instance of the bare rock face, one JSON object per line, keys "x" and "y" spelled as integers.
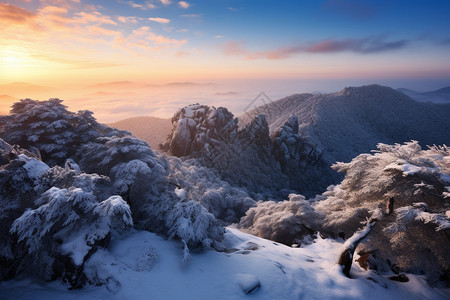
{"x": 301, "y": 161}
{"x": 257, "y": 133}
{"x": 291, "y": 150}
{"x": 197, "y": 126}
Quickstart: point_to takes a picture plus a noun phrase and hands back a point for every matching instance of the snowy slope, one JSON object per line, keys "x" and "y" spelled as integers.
{"x": 145, "y": 266}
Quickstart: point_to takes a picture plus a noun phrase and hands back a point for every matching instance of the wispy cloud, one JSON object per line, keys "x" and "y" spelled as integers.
{"x": 132, "y": 20}
{"x": 93, "y": 17}
{"x": 437, "y": 40}
{"x": 12, "y": 13}
{"x": 445, "y": 41}
{"x": 144, "y": 6}
{"x": 193, "y": 16}
{"x": 367, "y": 45}
{"x": 352, "y": 8}
{"x": 181, "y": 53}
{"x": 230, "y": 8}
{"x": 165, "y": 2}
{"x": 235, "y": 48}
{"x": 160, "y": 20}
{"x": 184, "y": 4}
{"x": 66, "y": 31}
{"x": 144, "y": 34}
{"x": 77, "y": 64}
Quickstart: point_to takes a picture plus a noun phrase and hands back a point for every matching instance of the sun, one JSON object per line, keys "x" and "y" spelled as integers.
{"x": 12, "y": 60}
{"x": 16, "y": 64}
{"x": 13, "y": 57}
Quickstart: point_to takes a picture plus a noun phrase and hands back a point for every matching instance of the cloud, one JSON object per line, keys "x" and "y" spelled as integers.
{"x": 132, "y": 20}
{"x": 144, "y": 6}
{"x": 94, "y": 17}
{"x": 67, "y": 31}
{"x": 234, "y": 48}
{"x": 352, "y": 8}
{"x": 230, "y": 8}
{"x": 367, "y": 45}
{"x": 54, "y": 10}
{"x": 160, "y": 20}
{"x": 77, "y": 64}
{"x": 445, "y": 41}
{"x": 193, "y": 16}
{"x": 165, "y": 2}
{"x": 143, "y": 35}
{"x": 182, "y": 53}
{"x": 15, "y": 14}
{"x": 184, "y": 4}
{"x": 219, "y": 36}
{"x": 163, "y": 40}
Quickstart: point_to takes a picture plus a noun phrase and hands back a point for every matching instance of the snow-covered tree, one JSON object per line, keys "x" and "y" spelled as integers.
{"x": 50, "y": 127}
{"x": 204, "y": 185}
{"x": 19, "y": 175}
{"x": 410, "y": 185}
{"x": 143, "y": 179}
{"x": 42, "y": 225}
{"x": 404, "y": 188}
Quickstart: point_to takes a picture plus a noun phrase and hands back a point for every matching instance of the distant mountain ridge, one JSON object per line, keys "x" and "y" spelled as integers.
{"x": 439, "y": 96}
{"x": 352, "y": 121}
{"x": 132, "y": 84}
{"x": 150, "y": 129}
{"x": 5, "y": 101}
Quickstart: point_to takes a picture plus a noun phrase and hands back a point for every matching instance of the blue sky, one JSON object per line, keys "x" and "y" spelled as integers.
{"x": 176, "y": 40}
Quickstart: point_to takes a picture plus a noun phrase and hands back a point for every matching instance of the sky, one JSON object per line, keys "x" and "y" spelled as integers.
{"x": 293, "y": 46}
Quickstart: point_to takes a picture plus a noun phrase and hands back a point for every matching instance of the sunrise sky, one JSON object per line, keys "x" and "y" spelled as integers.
{"x": 62, "y": 43}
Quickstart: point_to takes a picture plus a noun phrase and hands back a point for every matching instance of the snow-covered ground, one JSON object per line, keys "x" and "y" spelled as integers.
{"x": 144, "y": 265}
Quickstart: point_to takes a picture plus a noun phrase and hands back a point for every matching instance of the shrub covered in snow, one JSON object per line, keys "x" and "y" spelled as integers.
{"x": 288, "y": 222}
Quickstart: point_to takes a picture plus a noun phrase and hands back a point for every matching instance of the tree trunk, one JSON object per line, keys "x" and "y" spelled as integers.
{"x": 346, "y": 257}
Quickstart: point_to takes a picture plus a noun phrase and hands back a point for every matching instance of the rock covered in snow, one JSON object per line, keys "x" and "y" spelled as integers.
{"x": 196, "y": 126}
{"x": 248, "y": 283}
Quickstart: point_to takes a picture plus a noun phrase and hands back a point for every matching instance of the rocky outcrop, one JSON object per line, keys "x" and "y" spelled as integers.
{"x": 248, "y": 157}
{"x": 196, "y": 127}
{"x": 290, "y": 149}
